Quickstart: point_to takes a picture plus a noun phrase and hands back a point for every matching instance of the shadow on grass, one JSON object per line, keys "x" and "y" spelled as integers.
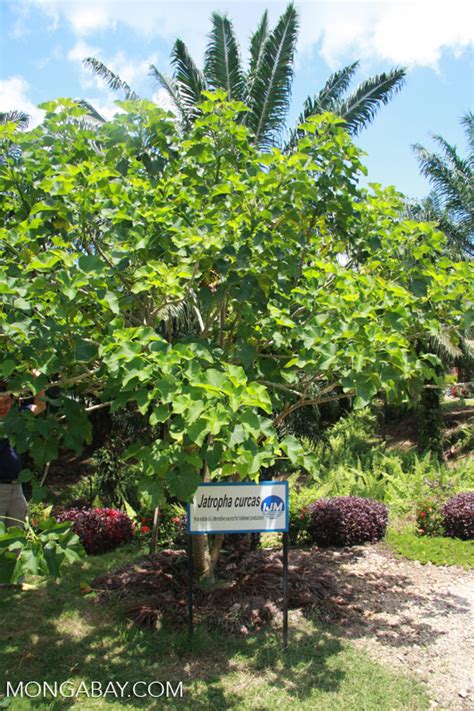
{"x": 57, "y": 634}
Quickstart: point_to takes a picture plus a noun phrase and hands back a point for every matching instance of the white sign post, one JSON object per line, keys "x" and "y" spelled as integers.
{"x": 240, "y": 507}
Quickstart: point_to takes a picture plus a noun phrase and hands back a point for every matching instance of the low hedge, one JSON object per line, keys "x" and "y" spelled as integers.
{"x": 99, "y": 530}
{"x": 458, "y": 515}
{"x": 345, "y": 521}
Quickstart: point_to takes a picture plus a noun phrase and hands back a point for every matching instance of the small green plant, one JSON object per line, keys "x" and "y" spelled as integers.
{"x": 429, "y": 514}
{"x": 44, "y": 550}
{"x": 429, "y": 519}
{"x": 38, "y": 514}
{"x": 299, "y": 523}
{"x": 171, "y": 526}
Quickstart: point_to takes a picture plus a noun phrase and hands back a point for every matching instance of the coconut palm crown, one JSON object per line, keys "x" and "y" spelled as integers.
{"x": 451, "y": 201}
{"x": 265, "y": 84}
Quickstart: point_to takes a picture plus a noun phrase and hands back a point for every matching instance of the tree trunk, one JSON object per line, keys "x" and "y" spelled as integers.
{"x": 201, "y": 558}
{"x": 430, "y": 422}
{"x": 154, "y": 533}
{"x": 205, "y": 553}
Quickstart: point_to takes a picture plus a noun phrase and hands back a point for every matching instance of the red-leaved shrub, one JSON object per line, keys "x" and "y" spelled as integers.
{"x": 458, "y": 515}
{"x": 99, "y": 530}
{"x": 346, "y": 521}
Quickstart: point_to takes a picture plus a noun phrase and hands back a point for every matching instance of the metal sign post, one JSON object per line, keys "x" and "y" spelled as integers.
{"x": 190, "y": 587}
{"x": 239, "y": 507}
{"x": 285, "y": 590}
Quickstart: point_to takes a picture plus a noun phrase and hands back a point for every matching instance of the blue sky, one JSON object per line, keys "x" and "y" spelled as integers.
{"x": 43, "y": 43}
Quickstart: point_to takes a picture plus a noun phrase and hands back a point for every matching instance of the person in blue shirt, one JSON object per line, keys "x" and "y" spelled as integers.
{"x": 12, "y": 501}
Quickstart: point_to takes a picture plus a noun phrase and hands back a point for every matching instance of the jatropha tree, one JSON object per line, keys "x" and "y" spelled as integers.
{"x": 201, "y": 279}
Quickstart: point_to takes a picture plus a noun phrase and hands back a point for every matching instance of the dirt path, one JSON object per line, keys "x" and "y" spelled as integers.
{"x": 415, "y": 618}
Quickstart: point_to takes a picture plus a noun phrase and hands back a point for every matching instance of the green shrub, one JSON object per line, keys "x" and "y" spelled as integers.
{"x": 299, "y": 524}
{"x": 171, "y": 526}
{"x": 429, "y": 515}
{"x": 429, "y": 519}
{"x": 353, "y": 462}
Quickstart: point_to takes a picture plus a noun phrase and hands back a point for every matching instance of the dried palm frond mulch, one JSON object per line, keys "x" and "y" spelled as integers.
{"x": 249, "y": 594}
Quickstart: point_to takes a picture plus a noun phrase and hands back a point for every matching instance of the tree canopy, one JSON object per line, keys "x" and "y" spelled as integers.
{"x": 208, "y": 282}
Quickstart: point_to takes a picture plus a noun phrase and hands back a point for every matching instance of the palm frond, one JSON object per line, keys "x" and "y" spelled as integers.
{"x": 257, "y": 42}
{"x": 326, "y": 100}
{"x": 113, "y": 81}
{"x": 468, "y": 122}
{"x": 19, "y": 117}
{"x": 335, "y": 87}
{"x": 452, "y": 156}
{"x": 223, "y": 68}
{"x": 459, "y": 234}
{"x": 271, "y": 88}
{"x": 444, "y": 180}
{"x": 92, "y": 113}
{"x": 190, "y": 81}
{"x": 360, "y": 107}
{"x": 453, "y": 189}
{"x": 171, "y": 88}
{"x": 443, "y": 347}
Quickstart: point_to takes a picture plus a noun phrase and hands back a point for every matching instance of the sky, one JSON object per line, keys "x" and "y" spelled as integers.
{"x": 43, "y": 43}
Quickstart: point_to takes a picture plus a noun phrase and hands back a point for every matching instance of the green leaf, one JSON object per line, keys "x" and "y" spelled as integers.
{"x": 54, "y": 558}
{"x": 184, "y": 483}
{"x": 85, "y": 351}
{"x": 159, "y": 414}
{"x": 24, "y": 476}
{"x": 91, "y": 263}
{"x": 213, "y": 380}
{"x": 7, "y": 367}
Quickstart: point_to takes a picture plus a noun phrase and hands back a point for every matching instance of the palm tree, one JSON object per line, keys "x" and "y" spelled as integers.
{"x": 18, "y": 117}
{"x": 265, "y": 85}
{"x": 451, "y": 201}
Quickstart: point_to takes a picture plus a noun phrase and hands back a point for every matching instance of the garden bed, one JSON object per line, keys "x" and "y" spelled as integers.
{"x": 414, "y": 618}
{"x": 247, "y": 597}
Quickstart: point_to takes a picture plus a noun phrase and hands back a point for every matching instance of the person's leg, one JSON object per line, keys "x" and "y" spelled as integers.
{"x": 5, "y": 495}
{"x": 12, "y": 511}
{"x": 16, "y": 513}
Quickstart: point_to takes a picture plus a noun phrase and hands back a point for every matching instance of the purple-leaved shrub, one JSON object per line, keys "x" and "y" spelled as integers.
{"x": 346, "y": 521}
{"x": 99, "y": 530}
{"x": 458, "y": 515}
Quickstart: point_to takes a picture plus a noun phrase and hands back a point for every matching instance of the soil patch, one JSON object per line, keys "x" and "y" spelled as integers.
{"x": 416, "y": 618}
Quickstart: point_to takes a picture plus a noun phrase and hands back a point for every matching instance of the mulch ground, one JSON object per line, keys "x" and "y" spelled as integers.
{"x": 249, "y": 594}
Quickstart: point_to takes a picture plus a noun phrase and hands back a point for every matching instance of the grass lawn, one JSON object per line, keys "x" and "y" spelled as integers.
{"x": 438, "y": 550}
{"x": 54, "y": 633}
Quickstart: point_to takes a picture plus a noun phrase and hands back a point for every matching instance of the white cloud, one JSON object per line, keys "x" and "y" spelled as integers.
{"x": 81, "y": 50}
{"x": 14, "y": 95}
{"x": 413, "y": 33}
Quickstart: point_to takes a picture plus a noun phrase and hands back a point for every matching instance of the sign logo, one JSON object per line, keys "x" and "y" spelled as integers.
{"x": 272, "y": 506}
